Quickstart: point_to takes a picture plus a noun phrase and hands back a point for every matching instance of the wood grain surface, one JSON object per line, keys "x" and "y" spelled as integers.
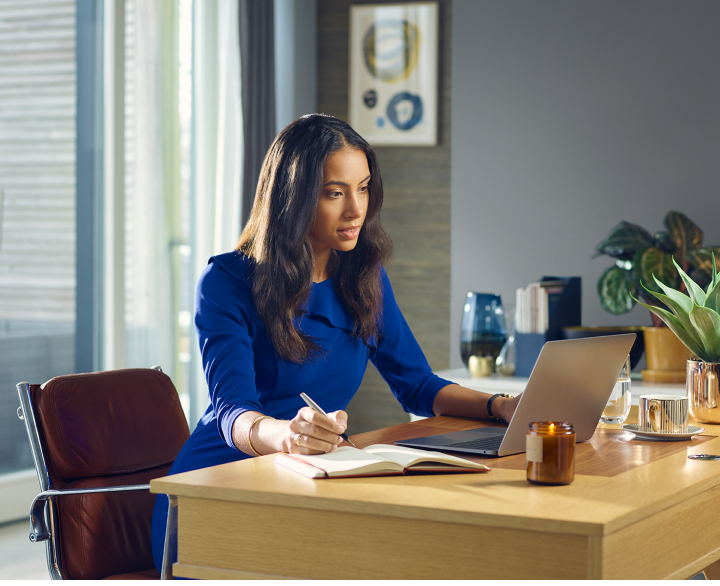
{"x": 367, "y": 547}
{"x": 658, "y": 518}
{"x": 502, "y": 497}
{"x": 609, "y": 452}
{"x": 712, "y": 572}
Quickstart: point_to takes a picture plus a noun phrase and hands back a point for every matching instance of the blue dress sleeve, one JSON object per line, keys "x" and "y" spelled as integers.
{"x": 223, "y": 316}
{"x": 401, "y": 362}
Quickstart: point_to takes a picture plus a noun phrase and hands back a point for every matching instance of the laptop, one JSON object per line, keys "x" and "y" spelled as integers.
{"x": 572, "y": 381}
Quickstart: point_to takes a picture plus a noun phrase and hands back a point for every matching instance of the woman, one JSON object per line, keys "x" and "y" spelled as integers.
{"x": 302, "y": 304}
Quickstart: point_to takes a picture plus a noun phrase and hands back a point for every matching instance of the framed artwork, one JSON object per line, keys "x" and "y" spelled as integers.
{"x": 393, "y": 73}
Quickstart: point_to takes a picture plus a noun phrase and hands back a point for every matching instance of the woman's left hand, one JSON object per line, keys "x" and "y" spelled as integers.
{"x": 506, "y": 408}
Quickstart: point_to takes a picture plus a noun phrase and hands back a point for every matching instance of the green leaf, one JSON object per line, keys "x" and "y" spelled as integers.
{"x": 653, "y": 262}
{"x": 664, "y": 241}
{"x": 714, "y": 254}
{"x": 681, "y": 305}
{"x": 712, "y": 301}
{"x": 623, "y": 240}
{"x": 686, "y": 235}
{"x": 674, "y": 324}
{"x": 681, "y": 300}
{"x": 615, "y": 288}
{"x": 700, "y": 266}
{"x": 707, "y": 323}
{"x": 695, "y": 292}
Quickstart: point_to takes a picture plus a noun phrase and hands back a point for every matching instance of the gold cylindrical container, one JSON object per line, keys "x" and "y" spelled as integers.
{"x": 550, "y": 452}
{"x": 480, "y": 366}
{"x": 703, "y": 391}
{"x": 663, "y": 413}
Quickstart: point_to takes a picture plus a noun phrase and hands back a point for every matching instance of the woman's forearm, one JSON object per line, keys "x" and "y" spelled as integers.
{"x": 267, "y": 434}
{"x": 309, "y": 432}
{"x": 459, "y": 401}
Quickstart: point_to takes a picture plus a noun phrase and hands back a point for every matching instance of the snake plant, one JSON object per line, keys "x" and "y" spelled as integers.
{"x": 695, "y": 318}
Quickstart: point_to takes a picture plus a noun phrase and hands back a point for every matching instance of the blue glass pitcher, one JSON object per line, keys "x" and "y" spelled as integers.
{"x": 483, "y": 331}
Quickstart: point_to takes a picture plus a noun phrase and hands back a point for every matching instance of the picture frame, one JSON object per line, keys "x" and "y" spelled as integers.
{"x": 393, "y": 93}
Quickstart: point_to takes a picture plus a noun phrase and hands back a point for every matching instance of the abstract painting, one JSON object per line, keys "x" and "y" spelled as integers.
{"x": 393, "y": 73}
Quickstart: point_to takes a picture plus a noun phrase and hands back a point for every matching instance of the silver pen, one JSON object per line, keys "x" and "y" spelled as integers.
{"x": 313, "y": 405}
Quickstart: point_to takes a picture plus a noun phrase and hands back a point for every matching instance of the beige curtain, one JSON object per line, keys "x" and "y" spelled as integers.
{"x": 218, "y": 152}
{"x": 152, "y": 196}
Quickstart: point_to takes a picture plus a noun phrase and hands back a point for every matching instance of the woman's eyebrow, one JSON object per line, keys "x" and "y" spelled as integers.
{"x": 343, "y": 183}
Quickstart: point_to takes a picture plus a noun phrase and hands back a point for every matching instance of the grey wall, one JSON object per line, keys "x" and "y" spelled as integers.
{"x": 569, "y": 117}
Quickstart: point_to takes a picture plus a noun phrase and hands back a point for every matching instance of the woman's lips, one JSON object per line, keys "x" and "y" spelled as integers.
{"x": 350, "y": 233}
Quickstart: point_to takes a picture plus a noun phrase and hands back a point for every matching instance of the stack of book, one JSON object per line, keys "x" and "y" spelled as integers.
{"x": 542, "y": 310}
{"x": 534, "y": 304}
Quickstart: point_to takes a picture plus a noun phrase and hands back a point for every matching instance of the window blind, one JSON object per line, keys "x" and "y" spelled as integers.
{"x": 37, "y": 161}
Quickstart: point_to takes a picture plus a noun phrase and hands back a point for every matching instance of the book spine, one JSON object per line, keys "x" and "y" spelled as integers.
{"x": 518, "y": 310}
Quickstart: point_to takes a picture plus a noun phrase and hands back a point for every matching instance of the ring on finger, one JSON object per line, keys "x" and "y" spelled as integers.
{"x": 297, "y": 440}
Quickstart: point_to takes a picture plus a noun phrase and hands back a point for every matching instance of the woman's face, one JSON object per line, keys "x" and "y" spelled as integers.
{"x": 343, "y": 201}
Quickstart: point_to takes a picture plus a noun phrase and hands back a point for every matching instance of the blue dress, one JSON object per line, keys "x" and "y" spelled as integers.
{"x": 244, "y": 373}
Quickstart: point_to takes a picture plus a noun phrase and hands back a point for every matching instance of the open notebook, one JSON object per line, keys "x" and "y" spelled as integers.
{"x": 376, "y": 460}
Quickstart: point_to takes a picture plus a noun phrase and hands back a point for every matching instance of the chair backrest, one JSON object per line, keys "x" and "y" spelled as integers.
{"x": 101, "y": 429}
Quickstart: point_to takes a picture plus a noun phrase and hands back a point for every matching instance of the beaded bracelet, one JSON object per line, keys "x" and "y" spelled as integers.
{"x": 258, "y": 418}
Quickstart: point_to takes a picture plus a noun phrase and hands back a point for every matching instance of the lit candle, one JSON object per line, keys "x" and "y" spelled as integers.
{"x": 550, "y": 452}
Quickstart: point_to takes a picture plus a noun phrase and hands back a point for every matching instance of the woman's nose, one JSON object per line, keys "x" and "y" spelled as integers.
{"x": 353, "y": 209}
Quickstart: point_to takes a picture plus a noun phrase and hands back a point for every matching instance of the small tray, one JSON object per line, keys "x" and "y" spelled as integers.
{"x": 663, "y": 436}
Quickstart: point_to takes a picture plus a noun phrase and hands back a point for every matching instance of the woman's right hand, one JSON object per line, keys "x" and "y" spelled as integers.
{"x": 310, "y": 432}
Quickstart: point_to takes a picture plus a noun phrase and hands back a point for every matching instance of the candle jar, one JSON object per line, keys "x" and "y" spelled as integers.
{"x": 550, "y": 452}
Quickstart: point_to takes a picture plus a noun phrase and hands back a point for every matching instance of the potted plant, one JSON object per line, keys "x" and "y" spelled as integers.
{"x": 695, "y": 319}
{"x": 638, "y": 256}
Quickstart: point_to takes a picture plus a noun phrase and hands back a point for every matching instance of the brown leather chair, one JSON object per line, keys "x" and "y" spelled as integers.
{"x": 97, "y": 441}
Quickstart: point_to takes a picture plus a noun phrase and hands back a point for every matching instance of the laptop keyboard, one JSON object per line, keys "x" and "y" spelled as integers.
{"x": 485, "y": 443}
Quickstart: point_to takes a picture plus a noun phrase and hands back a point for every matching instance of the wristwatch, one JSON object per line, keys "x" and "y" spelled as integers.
{"x": 489, "y": 406}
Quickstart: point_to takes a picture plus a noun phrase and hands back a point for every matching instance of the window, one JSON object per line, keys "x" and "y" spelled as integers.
{"x": 37, "y": 206}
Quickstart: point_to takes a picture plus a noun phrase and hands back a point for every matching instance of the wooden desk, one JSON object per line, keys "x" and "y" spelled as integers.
{"x": 637, "y": 509}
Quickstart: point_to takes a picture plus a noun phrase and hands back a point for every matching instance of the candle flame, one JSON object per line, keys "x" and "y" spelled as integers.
{"x": 552, "y": 429}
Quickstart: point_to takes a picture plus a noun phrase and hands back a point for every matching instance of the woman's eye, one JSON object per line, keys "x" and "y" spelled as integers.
{"x": 335, "y": 194}
{"x": 365, "y": 188}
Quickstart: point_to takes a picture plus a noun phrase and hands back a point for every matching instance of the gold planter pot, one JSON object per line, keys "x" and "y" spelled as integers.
{"x": 666, "y": 356}
{"x": 702, "y": 390}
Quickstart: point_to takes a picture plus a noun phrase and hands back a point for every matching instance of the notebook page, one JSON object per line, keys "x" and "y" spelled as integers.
{"x": 299, "y": 467}
{"x": 409, "y": 456}
{"x": 349, "y": 459}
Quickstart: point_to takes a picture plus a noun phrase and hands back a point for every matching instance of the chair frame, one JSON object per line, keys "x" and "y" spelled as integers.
{"x": 43, "y": 511}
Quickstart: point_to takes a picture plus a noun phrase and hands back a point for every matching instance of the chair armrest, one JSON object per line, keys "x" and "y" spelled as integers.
{"x": 38, "y": 523}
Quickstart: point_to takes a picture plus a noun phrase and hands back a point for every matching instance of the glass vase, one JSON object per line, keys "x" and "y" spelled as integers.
{"x": 483, "y": 332}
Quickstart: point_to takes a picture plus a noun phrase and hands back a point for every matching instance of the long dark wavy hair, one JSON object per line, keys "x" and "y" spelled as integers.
{"x": 277, "y": 236}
